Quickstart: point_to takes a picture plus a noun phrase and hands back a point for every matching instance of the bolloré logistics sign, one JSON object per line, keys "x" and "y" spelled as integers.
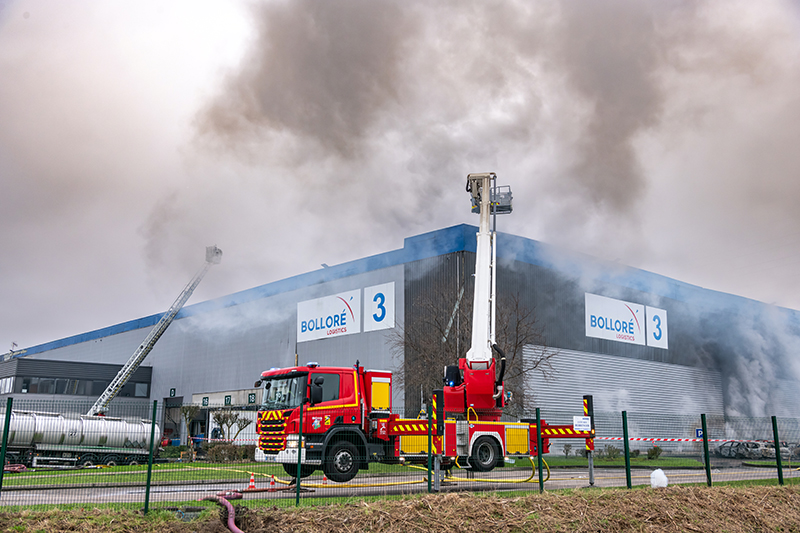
{"x": 616, "y": 320}
{"x": 340, "y": 314}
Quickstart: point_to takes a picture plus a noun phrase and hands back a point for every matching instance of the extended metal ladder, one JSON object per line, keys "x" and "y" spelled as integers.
{"x": 213, "y": 257}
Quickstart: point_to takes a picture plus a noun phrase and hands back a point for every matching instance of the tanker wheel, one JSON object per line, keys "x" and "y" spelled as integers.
{"x": 87, "y": 460}
{"x": 111, "y": 460}
{"x": 485, "y": 454}
{"x": 341, "y": 463}
{"x": 134, "y": 463}
{"x": 305, "y": 470}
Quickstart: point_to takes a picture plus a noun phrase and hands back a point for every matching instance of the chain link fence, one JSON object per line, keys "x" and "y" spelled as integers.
{"x": 146, "y": 455}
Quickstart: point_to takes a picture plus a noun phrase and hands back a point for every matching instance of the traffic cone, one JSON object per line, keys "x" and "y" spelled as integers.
{"x": 271, "y": 484}
{"x": 252, "y": 482}
{"x": 324, "y": 479}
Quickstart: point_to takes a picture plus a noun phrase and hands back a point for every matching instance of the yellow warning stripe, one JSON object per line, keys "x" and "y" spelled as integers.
{"x": 565, "y": 432}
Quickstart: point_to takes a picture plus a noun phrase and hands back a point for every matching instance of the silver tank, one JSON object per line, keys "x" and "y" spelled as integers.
{"x": 28, "y": 428}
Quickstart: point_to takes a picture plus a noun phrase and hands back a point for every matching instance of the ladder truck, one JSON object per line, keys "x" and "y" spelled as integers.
{"x": 53, "y": 439}
{"x": 100, "y": 407}
{"x": 345, "y": 417}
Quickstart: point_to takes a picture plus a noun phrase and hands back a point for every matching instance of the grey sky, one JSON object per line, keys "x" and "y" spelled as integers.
{"x": 662, "y": 135}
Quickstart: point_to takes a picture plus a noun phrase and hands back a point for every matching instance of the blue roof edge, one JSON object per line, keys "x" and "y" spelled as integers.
{"x": 431, "y": 244}
{"x": 417, "y": 247}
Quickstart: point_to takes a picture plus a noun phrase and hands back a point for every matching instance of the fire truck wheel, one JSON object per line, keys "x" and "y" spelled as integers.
{"x": 291, "y": 469}
{"x": 485, "y": 454}
{"x": 341, "y": 463}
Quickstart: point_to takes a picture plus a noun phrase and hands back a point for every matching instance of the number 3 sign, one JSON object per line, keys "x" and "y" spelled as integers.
{"x": 379, "y": 307}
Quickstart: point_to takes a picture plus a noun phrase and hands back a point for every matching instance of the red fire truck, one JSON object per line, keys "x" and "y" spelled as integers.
{"x": 347, "y": 420}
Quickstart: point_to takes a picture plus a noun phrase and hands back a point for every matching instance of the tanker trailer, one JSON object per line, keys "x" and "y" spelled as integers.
{"x": 38, "y": 439}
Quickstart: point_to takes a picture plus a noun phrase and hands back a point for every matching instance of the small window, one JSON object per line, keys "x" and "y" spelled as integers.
{"x": 98, "y": 387}
{"x": 61, "y": 386}
{"x": 84, "y": 388}
{"x": 330, "y": 387}
{"x": 72, "y": 387}
{"x": 46, "y": 386}
{"x": 141, "y": 390}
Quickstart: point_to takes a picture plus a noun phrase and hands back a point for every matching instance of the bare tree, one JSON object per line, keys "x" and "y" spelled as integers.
{"x": 188, "y": 412}
{"x": 517, "y": 327}
{"x": 226, "y": 419}
{"x": 439, "y": 333}
{"x": 241, "y": 423}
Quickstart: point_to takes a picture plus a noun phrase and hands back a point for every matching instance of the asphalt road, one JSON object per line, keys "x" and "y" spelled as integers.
{"x": 374, "y": 485}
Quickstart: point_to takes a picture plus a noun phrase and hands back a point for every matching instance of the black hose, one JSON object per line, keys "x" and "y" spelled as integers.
{"x": 502, "y": 364}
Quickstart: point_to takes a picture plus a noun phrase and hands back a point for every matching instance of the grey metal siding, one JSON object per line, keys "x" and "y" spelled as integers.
{"x": 622, "y": 384}
{"x": 75, "y": 370}
{"x": 8, "y": 368}
{"x": 227, "y": 348}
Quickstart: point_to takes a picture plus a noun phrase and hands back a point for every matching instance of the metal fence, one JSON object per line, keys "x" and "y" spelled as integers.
{"x": 144, "y": 457}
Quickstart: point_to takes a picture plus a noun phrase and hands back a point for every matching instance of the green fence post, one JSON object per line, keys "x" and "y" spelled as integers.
{"x": 150, "y": 459}
{"x": 777, "y": 449}
{"x": 430, "y": 445}
{"x": 6, "y": 427}
{"x": 705, "y": 449}
{"x": 299, "y": 454}
{"x": 627, "y": 448}
{"x": 539, "y": 449}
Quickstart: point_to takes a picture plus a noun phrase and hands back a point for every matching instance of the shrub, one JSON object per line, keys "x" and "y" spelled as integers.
{"x": 228, "y": 453}
{"x": 654, "y": 452}
{"x": 567, "y": 449}
{"x": 635, "y": 453}
{"x": 172, "y": 452}
{"x": 249, "y": 452}
{"x": 224, "y": 453}
{"x": 612, "y": 452}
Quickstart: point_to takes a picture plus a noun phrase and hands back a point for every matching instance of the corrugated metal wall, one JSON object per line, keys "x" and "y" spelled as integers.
{"x": 75, "y": 370}
{"x": 622, "y": 384}
{"x": 227, "y": 348}
{"x": 440, "y": 280}
{"x": 558, "y": 303}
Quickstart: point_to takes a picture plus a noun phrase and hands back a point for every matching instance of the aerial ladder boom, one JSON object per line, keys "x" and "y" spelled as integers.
{"x": 474, "y": 384}
{"x": 487, "y": 200}
{"x": 483, "y": 320}
{"x": 213, "y": 257}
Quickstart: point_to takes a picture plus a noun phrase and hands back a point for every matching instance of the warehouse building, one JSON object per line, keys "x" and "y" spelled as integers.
{"x": 635, "y": 340}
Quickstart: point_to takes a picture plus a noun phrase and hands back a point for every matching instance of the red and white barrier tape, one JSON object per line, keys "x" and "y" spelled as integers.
{"x": 658, "y": 439}
{"x": 236, "y": 441}
{"x": 635, "y": 439}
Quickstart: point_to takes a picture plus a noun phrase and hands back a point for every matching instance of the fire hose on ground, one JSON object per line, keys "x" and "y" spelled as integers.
{"x": 231, "y": 513}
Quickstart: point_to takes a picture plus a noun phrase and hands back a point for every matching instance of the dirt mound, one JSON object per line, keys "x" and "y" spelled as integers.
{"x": 672, "y": 509}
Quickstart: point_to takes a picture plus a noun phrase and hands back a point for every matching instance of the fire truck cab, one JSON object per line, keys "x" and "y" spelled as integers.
{"x": 342, "y": 417}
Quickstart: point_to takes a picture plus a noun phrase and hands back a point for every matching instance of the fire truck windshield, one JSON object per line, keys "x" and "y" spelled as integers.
{"x": 284, "y": 392}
